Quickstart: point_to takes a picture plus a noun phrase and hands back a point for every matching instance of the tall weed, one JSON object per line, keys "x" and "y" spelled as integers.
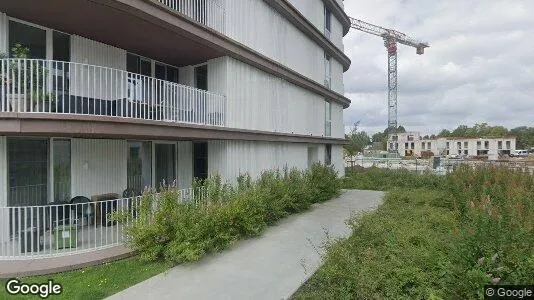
{"x": 178, "y": 231}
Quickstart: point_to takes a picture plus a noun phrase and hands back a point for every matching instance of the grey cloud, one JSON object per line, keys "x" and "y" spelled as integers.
{"x": 480, "y": 67}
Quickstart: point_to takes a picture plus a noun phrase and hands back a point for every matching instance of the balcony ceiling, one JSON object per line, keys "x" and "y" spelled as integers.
{"x": 105, "y": 21}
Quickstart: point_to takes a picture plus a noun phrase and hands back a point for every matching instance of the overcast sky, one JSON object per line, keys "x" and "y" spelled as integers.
{"x": 479, "y": 67}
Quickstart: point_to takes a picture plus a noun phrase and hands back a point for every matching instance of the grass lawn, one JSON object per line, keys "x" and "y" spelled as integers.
{"x": 433, "y": 238}
{"x": 96, "y": 282}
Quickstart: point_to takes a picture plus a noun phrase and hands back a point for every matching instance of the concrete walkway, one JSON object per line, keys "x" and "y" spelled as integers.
{"x": 272, "y": 266}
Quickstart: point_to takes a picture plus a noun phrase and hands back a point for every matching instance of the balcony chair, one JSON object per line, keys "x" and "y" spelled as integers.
{"x": 83, "y": 209}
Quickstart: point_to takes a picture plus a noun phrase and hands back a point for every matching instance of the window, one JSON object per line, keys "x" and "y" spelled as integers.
{"x": 139, "y": 166}
{"x": 200, "y": 160}
{"x": 61, "y": 46}
{"x": 27, "y": 171}
{"x": 508, "y": 145}
{"x": 138, "y": 65}
{"x": 412, "y": 146}
{"x": 499, "y": 144}
{"x": 447, "y": 146}
{"x": 172, "y": 74}
{"x": 327, "y": 22}
{"x": 201, "y": 77}
{"x": 328, "y": 119}
{"x": 165, "y": 163}
{"x": 28, "y": 36}
{"x": 429, "y": 145}
{"x": 466, "y": 144}
{"x": 405, "y": 145}
{"x": 328, "y": 155}
{"x": 479, "y": 144}
{"x": 459, "y": 144}
{"x": 327, "y": 70}
{"x": 486, "y": 144}
{"x": 423, "y": 144}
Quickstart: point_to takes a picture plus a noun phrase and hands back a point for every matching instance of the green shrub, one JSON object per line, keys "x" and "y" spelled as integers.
{"x": 383, "y": 180}
{"x": 443, "y": 241}
{"x": 170, "y": 229}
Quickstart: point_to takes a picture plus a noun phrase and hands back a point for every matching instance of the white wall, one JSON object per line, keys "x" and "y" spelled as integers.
{"x": 187, "y": 75}
{"x": 260, "y": 27}
{"x": 337, "y": 84}
{"x": 313, "y": 10}
{"x": 338, "y": 127}
{"x": 98, "y": 167}
{"x": 337, "y": 159}
{"x": 99, "y": 83}
{"x": 3, "y": 171}
{"x": 4, "y": 27}
{"x": 231, "y": 158}
{"x": 87, "y": 51}
{"x": 185, "y": 164}
{"x": 260, "y": 101}
{"x": 336, "y": 33}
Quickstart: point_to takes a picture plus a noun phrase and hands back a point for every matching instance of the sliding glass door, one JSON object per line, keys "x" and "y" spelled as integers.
{"x": 165, "y": 164}
{"x": 139, "y": 168}
{"x": 27, "y": 171}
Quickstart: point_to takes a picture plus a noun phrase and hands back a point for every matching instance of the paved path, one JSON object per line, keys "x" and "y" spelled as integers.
{"x": 272, "y": 266}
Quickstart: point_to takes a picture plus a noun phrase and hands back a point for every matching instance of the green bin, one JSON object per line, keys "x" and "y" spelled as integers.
{"x": 65, "y": 236}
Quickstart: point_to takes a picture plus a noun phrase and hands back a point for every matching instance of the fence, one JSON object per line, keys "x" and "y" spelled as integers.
{"x": 444, "y": 166}
{"x": 48, "y": 86}
{"x": 208, "y": 12}
{"x": 28, "y": 232}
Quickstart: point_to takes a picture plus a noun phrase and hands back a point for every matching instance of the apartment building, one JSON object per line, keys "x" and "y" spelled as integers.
{"x": 108, "y": 96}
{"x": 413, "y": 144}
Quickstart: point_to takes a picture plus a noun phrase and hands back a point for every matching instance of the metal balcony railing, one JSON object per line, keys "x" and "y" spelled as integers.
{"x": 48, "y": 86}
{"x": 208, "y": 12}
{"x": 59, "y": 229}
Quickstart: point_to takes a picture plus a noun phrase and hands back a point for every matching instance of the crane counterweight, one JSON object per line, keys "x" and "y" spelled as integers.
{"x": 391, "y": 39}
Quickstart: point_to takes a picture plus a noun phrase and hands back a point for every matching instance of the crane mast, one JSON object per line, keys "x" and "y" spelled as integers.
{"x": 391, "y": 38}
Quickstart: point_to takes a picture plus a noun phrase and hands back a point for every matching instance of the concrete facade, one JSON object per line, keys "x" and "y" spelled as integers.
{"x": 278, "y": 107}
{"x": 413, "y": 144}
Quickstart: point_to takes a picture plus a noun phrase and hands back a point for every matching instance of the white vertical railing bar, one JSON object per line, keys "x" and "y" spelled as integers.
{"x": 31, "y": 85}
{"x": 210, "y": 13}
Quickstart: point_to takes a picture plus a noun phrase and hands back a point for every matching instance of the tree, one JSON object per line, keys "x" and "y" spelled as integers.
{"x": 444, "y": 133}
{"x": 357, "y": 140}
{"x": 524, "y": 137}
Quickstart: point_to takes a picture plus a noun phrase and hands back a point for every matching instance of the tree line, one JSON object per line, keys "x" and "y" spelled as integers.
{"x": 358, "y": 140}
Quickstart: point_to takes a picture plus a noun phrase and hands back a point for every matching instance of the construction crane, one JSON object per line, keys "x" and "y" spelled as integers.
{"x": 391, "y": 38}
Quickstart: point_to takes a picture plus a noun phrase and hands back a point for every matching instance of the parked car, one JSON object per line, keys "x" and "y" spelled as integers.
{"x": 519, "y": 153}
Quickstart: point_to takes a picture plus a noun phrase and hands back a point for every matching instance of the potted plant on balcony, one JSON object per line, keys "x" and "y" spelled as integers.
{"x": 16, "y": 97}
{"x": 26, "y": 84}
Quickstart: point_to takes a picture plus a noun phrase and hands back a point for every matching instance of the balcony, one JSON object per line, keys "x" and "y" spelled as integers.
{"x": 57, "y": 87}
{"x": 64, "y": 228}
{"x": 208, "y": 12}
